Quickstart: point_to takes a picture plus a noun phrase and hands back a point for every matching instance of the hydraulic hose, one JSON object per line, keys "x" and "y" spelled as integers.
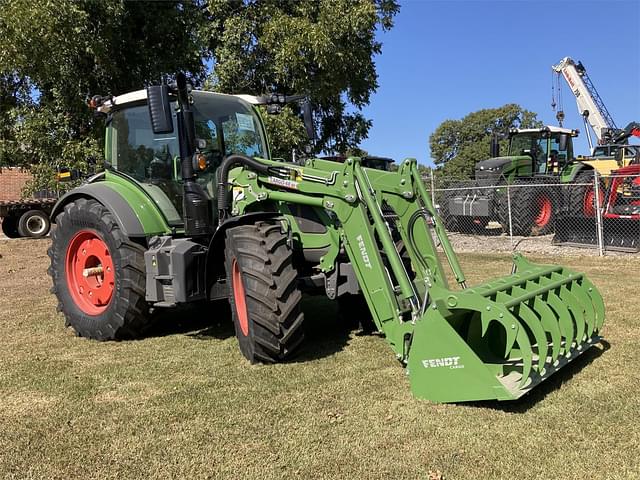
{"x": 224, "y": 200}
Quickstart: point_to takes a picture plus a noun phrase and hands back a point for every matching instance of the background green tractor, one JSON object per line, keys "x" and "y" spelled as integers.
{"x": 537, "y": 161}
{"x": 191, "y": 208}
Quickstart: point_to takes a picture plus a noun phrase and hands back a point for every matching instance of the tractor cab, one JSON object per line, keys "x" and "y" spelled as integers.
{"x": 550, "y": 148}
{"x": 224, "y": 125}
{"x": 539, "y": 151}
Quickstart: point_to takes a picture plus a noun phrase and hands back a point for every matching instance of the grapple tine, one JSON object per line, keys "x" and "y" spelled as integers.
{"x": 527, "y": 355}
{"x": 565, "y": 324}
{"x": 584, "y": 300}
{"x": 511, "y": 327}
{"x": 598, "y": 303}
{"x": 558, "y": 304}
{"x": 515, "y": 333}
{"x": 575, "y": 308}
{"x": 523, "y": 312}
{"x": 550, "y": 326}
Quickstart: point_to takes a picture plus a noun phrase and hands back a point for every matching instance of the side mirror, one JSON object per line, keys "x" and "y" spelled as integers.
{"x": 186, "y": 124}
{"x": 160, "y": 109}
{"x": 563, "y": 142}
{"x": 307, "y": 117}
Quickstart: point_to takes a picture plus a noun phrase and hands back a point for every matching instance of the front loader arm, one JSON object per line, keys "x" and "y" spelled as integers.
{"x": 493, "y": 341}
{"x": 395, "y": 269}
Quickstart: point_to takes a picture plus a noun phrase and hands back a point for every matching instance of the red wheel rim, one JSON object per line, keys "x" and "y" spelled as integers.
{"x": 544, "y": 211}
{"x": 89, "y": 272}
{"x": 239, "y": 298}
{"x": 588, "y": 204}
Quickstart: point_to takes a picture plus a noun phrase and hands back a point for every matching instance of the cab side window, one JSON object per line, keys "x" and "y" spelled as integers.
{"x": 138, "y": 152}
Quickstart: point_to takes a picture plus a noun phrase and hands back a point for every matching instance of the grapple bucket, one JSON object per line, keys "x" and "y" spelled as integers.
{"x": 500, "y": 339}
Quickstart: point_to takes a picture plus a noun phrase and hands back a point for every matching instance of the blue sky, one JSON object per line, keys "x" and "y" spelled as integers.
{"x": 444, "y": 59}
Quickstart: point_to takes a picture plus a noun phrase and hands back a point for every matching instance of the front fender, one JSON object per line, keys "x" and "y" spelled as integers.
{"x": 570, "y": 173}
{"x": 216, "y": 251}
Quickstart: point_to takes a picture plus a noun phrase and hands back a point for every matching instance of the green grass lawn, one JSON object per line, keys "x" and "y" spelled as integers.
{"x": 183, "y": 403}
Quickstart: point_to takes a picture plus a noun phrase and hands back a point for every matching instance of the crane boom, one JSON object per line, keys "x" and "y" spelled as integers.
{"x": 590, "y": 105}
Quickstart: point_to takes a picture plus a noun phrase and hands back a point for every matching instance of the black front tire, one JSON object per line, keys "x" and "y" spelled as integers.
{"x": 263, "y": 292}
{"x": 126, "y": 315}
{"x": 582, "y": 197}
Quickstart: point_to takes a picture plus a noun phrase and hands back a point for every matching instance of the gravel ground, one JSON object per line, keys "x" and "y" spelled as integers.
{"x": 463, "y": 243}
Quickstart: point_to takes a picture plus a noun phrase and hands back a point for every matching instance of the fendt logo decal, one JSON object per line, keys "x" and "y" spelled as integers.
{"x": 363, "y": 251}
{"x": 451, "y": 362}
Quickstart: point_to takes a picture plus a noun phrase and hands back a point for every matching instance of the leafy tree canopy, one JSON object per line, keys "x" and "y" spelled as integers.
{"x": 55, "y": 53}
{"x": 323, "y": 48}
{"x": 456, "y": 145}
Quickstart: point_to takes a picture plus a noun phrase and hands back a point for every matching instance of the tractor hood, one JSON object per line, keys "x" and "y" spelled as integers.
{"x": 495, "y": 167}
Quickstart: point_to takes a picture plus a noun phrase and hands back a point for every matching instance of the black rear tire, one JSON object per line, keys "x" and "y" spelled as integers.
{"x": 533, "y": 210}
{"x": 34, "y": 224}
{"x": 126, "y": 315}
{"x": 582, "y": 197}
{"x": 10, "y": 226}
{"x": 263, "y": 292}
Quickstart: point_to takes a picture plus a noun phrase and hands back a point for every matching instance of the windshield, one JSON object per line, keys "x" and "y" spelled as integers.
{"x": 224, "y": 125}
{"x": 526, "y": 144}
{"x": 545, "y": 152}
{"x": 228, "y": 125}
{"x": 605, "y": 151}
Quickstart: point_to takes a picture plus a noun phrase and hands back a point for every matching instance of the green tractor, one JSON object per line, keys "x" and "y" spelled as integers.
{"x": 537, "y": 162}
{"x": 192, "y": 208}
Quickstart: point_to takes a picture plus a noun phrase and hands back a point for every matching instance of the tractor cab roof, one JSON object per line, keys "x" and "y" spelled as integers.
{"x": 139, "y": 95}
{"x": 547, "y": 128}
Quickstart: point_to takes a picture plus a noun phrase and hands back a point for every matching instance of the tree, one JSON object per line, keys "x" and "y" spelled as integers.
{"x": 55, "y": 53}
{"x": 323, "y": 48}
{"x": 456, "y": 145}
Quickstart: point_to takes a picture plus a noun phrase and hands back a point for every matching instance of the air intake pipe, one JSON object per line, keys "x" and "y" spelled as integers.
{"x": 224, "y": 200}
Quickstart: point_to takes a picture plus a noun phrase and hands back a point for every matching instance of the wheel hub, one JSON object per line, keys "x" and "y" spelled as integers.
{"x": 545, "y": 208}
{"x": 89, "y": 271}
{"x": 36, "y": 225}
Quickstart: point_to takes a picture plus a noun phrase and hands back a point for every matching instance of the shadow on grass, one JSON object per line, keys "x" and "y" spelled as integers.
{"x": 555, "y": 382}
{"x": 325, "y": 335}
{"x": 199, "y": 320}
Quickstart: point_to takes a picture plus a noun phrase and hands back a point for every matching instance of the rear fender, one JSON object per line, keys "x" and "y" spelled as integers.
{"x": 137, "y": 217}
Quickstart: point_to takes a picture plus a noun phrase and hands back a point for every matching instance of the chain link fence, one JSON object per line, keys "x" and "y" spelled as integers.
{"x": 592, "y": 211}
